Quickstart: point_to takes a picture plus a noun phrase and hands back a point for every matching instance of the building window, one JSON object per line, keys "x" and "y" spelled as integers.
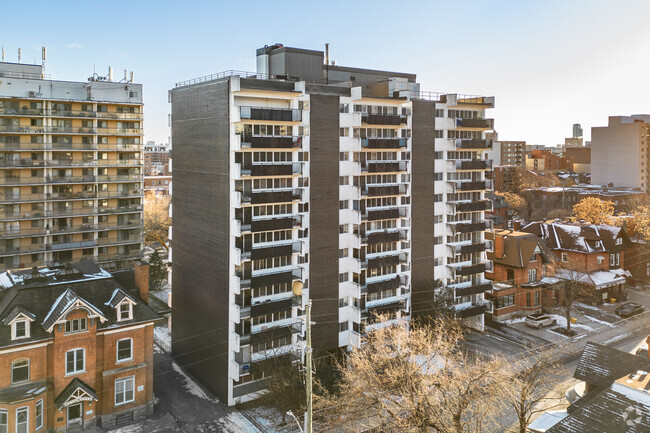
{"x": 39, "y": 414}
{"x": 20, "y": 329}
{"x": 22, "y": 419}
{"x": 536, "y": 298}
{"x": 343, "y": 326}
{"x": 532, "y": 275}
{"x": 124, "y": 390}
{"x": 76, "y": 325}
{"x": 20, "y": 371}
{"x": 528, "y": 299}
{"x": 3, "y": 421}
{"x": 124, "y": 311}
{"x": 505, "y": 301}
{"x": 75, "y": 361}
{"x": 565, "y": 258}
{"x": 125, "y": 350}
{"x": 619, "y": 241}
{"x": 343, "y": 277}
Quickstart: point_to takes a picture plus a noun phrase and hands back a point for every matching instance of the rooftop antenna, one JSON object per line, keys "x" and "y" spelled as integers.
{"x": 131, "y": 81}
{"x": 3, "y": 53}
{"x": 327, "y": 63}
{"x": 20, "y": 53}
{"x": 44, "y": 57}
{"x": 110, "y": 74}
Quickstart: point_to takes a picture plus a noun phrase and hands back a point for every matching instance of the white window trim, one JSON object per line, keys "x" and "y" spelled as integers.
{"x": 123, "y": 379}
{"x": 18, "y": 409}
{"x": 117, "y": 351}
{"x": 565, "y": 257}
{"x": 27, "y": 329}
{"x": 532, "y": 275}
{"x": 119, "y": 314}
{"x": 40, "y": 402}
{"x": 83, "y": 370}
{"x": 29, "y": 370}
{"x": 612, "y": 260}
{"x": 75, "y": 332}
{"x": 6, "y": 414}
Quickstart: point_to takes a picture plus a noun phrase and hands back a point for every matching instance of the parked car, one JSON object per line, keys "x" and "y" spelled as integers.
{"x": 629, "y": 309}
{"x": 539, "y": 321}
{"x": 642, "y": 351}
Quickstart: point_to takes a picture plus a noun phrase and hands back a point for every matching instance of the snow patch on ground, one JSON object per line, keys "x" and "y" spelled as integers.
{"x": 561, "y": 321}
{"x": 190, "y": 385}
{"x": 236, "y": 422}
{"x": 601, "y": 322}
{"x": 133, "y": 428}
{"x": 163, "y": 337}
{"x": 517, "y": 320}
{"x": 586, "y": 306}
{"x": 615, "y": 338}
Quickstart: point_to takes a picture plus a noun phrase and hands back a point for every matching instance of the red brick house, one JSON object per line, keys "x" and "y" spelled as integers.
{"x": 522, "y": 272}
{"x": 595, "y": 255}
{"x": 76, "y": 350}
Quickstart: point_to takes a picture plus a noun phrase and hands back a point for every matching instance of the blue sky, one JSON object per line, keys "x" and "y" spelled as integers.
{"x": 549, "y": 63}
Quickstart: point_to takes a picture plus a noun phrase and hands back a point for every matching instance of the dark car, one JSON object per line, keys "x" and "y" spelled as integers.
{"x": 629, "y": 309}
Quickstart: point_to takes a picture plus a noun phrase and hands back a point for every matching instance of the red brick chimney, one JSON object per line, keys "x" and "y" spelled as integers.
{"x": 516, "y": 225}
{"x": 499, "y": 246}
{"x": 141, "y": 272}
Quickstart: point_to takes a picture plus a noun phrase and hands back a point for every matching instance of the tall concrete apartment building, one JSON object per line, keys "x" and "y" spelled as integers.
{"x": 510, "y": 153}
{"x": 620, "y": 152}
{"x": 350, "y": 181}
{"x": 70, "y": 169}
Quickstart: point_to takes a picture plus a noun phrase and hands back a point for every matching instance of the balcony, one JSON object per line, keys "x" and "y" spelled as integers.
{"x": 131, "y": 162}
{"x": 269, "y": 307}
{"x": 380, "y": 286}
{"x": 475, "y": 123}
{"x": 383, "y": 237}
{"x": 388, "y": 308}
{"x": 135, "y": 238}
{"x": 270, "y": 279}
{"x": 272, "y": 196}
{"x": 268, "y": 252}
{"x": 384, "y": 167}
{"x": 468, "y": 249}
{"x": 389, "y": 260}
{"x": 95, "y": 114}
{"x": 266, "y": 142}
{"x": 385, "y": 214}
{"x": 72, "y": 245}
{"x": 474, "y": 310}
{"x": 474, "y": 206}
{"x": 378, "y": 191}
{"x": 383, "y": 143}
{"x": 474, "y": 165}
{"x": 469, "y": 269}
{"x": 272, "y": 169}
{"x": 470, "y": 227}
{"x": 276, "y": 224}
{"x": 471, "y": 185}
{"x": 11, "y": 163}
{"x": 272, "y": 114}
{"x": 473, "y": 289}
{"x": 383, "y": 119}
{"x": 473, "y": 144}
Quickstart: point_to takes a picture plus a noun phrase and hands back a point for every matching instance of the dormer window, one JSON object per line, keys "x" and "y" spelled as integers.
{"x": 20, "y": 329}
{"x": 76, "y": 325}
{"x": 619, "y": 241}
{"x": 124, "y": 311}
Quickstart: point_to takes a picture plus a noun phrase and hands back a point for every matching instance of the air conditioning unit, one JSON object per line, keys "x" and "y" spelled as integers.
{"x": 32, "y": 94}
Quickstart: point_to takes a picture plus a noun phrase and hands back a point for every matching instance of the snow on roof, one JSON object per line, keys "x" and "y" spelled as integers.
{"x": 6, "y": 280}
{"x": 547, "y": 420}
{"x": 632, "y": 393}
{"x": 600, "y": 279}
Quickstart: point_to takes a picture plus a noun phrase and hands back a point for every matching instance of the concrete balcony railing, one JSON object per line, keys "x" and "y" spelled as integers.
{"x": 268, "y": 142}
{"x": 11, "y": 163}
{"x": 469, "y": 185}
{"x": 384, "y": 167}
{"x": 27, "y": 147}
{"x": 473, "y": 206}
{"x": 383, "y": 237}
{"x": 473, "y": 310}
{"x": 470, "y": 269}
{"x": 378, "y": 191}
{"x": 470, "y": 227}
{"x": 475, "y": 123}
{"x": 272, "y": 169}
{"x": 471, "y": 289}
{"x": 474, "y": 165}
{"x": 384, "y": 119}
{"x": 385, "y": 214}
{"x": 383, "y": 143}
{"x": 473, "y": 144}
{"x": 271, "y": 196}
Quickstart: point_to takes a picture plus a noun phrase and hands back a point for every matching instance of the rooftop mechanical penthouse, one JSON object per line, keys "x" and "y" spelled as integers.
{"x": 351, "y": 181}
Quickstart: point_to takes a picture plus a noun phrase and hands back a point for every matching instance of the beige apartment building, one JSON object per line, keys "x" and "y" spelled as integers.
{"x": 71, "y": 183}
{"x": 619, "y": 152}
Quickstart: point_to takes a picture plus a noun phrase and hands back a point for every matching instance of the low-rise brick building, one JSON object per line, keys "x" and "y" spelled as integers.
{"x": 76, "y": 349}
{"x": 522, "y": 271}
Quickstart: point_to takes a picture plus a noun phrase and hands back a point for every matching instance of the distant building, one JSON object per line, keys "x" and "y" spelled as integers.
{"x": 581, "y": 157}
{"x": 157, "y": 185}
{"x": 506, "y": 178}
{"x": 546, "y": 160}
{"x": 76, "y": 349}
{"x": 509, "y": 153}
{"x": 70, "y": 169}
{"x": 624, "y": 199}
{"x": 156, "y": 159}
{"x": 620, "y": 152}
{"x": 522, "y": 273}
{"x": 577, "y": 130}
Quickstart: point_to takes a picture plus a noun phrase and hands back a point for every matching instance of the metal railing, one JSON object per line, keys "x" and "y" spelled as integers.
{"x": 259, "y": 76}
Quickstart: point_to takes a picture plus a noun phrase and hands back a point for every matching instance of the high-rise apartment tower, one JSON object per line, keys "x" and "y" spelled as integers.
{"x": 70, "y": 169}
{"x": 348, "y": 181}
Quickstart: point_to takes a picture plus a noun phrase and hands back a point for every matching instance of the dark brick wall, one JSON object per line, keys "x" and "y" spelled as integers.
{"x": 422, "y": 163}
{"x": 324, "y": 220}
{"x": 201, "y": 206}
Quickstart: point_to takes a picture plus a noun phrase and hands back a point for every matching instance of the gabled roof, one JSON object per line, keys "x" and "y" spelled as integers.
{"x": 67, "y": 301}
{"x": 519, "y": 248}
{"x": 77, "y": 390}
{"x": 579, "y": 238}
{"x": 601, "y": 365}
{"x": 118, "y": 296}
{"x": 616, "y": 409}
{"x": 15, "y": 312}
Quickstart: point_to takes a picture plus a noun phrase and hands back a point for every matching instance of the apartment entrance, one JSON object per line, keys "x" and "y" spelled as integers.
{"x": 75, "y": 416}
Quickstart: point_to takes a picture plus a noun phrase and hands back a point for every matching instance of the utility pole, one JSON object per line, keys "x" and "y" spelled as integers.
{"x": 308, "y": 370}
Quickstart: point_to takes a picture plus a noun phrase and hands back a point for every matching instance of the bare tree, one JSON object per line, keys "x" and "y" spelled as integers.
{"x": 530, "y": 387}
{"x": 414, "y": 380}
{"x": 157, "y": 220}
{"x": 572, "y": 286}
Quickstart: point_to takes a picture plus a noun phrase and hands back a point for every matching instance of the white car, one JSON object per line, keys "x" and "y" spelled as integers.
{"x": 539, "y": 321}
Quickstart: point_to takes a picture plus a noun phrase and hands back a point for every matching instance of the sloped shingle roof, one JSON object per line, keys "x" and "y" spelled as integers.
{"x": 601, "y": 365}
{"x": 580, "y": 238}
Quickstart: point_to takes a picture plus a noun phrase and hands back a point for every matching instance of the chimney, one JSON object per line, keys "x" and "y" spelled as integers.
{"x": 516, "y": 225}
{"x": 141, "y": 271}
{"x": 499, "y": 246}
